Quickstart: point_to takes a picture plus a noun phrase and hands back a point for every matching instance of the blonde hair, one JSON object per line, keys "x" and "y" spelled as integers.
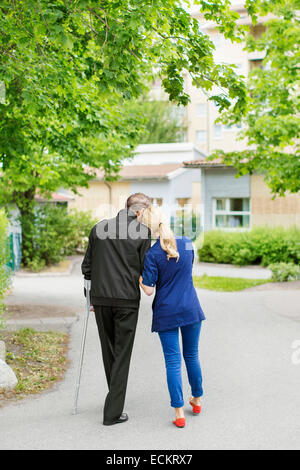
{"x": 154, "y": 218}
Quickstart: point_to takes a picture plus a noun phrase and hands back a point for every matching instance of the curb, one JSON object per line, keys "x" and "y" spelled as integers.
{"x": 43, "y": 324}
{"x": 49, "y": 273}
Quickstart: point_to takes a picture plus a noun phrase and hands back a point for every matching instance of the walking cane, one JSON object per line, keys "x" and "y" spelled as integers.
{"x": 87, "y": 285}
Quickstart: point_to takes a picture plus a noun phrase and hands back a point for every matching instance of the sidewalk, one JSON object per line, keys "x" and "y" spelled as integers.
{"x": 228, "y": 270}
{"x": 246, "y": 344}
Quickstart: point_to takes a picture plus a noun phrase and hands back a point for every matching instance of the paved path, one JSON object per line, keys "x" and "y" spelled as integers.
{"x": 252, "y": 398}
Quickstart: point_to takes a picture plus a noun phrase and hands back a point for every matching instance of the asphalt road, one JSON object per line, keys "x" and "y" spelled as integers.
{"x": 252, "y": 398}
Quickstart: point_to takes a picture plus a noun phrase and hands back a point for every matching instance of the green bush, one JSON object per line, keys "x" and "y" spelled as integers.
{"x": 284, "y": 272}
{"x": 4, "y": 273}
{"x": 262, "y": 245}
{"x": 57, "y": 233}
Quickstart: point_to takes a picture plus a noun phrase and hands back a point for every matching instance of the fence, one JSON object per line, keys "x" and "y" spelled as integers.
{"x": 186, "y": 223}
{"x": 14, "y": 251}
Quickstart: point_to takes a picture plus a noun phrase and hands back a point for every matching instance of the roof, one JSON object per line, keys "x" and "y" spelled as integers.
{"x": 164, "y": 171}
{"x": 203, "y": 163}
{"x": 55, "y": 197}
{"x": 146, "y": 172}
{"x": 171, "y": 147}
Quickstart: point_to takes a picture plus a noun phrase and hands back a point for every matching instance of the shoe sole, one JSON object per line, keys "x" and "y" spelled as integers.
{"x": 117, "y": 422}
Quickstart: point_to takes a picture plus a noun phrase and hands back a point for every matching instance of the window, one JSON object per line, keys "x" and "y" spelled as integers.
{"x": 157, "y": 201}
{"x": 233, "y": 128}
{"x": 181, "y": 202}
{"x": 217, "y": 131}
{"x": 231, "y": 213}
{"x": 217, "y": 40}
{"x": 256, "y": 63}
{"x": 201, "y": 137}
{"x": 201, "y": 110}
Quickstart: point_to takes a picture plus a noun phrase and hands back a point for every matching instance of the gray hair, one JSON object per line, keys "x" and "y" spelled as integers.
{"x": 137, "y": 202}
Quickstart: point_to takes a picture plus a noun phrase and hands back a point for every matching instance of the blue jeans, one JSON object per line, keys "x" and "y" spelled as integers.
{"x": 171, "y": 348}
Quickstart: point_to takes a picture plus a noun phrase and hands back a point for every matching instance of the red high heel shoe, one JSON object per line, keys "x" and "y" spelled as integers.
{"x": 196, "y": 408}
{"x": 180, "y": 422}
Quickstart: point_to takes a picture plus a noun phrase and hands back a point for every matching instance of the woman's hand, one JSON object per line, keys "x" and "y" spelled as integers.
{"x": 147, "y": 289}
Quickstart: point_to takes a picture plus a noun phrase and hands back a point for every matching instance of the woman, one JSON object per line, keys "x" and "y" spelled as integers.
{"x": 168, "y": 266}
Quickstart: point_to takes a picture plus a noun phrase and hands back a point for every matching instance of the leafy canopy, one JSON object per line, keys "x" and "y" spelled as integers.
{"x": 164, "y": 122}
{"x": 71, "y": 67}
{"x": 272, "y": 123}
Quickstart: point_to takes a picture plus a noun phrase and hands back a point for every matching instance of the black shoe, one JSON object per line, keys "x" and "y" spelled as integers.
{"x": 123, "y": 418}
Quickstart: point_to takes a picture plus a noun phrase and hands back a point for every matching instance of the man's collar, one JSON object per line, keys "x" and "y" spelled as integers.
{"x": 127, "y": 212}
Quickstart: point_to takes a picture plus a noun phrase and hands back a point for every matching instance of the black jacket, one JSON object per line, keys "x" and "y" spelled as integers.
{"x": 114, "y": 260}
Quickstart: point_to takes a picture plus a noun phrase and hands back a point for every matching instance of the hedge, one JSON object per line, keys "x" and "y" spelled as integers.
{"x": 284, "y": 272}
{"x": 260, "y": 246}
{"x": 57, "y": 233}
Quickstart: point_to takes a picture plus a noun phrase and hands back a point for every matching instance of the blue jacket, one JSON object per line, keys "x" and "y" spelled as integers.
{"x": 176, "y": 302}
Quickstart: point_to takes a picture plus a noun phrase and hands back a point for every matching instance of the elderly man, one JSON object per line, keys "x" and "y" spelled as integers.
{"x": 114, "y": 262}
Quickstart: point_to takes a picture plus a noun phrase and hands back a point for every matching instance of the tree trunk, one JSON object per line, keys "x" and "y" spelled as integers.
{"x": 26, "y": 205}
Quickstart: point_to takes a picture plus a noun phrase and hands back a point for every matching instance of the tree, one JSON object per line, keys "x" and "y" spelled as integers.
{"x": 163, "y": 122}
{"x": 71, "y": 67}
{"x": 271, "y": 123}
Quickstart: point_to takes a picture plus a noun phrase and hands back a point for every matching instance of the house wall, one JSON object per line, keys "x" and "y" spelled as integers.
{"x": 283, "y": 211}
{"x": 185, "y": 185}
{"x": 153, "y": 189}
{"x": 221, "y": 183}
{"x": 97, "y": 197}
{"x": 182, "y": 185}
{"x": 196, "y": 191}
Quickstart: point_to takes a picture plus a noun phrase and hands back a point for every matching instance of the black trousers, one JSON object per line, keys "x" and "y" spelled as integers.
{"x": 117, "y": 327}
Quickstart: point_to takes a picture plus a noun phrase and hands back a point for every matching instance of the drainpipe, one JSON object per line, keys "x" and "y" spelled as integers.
{"x": 109, "y": 197}
{"x": 208, "y": 128}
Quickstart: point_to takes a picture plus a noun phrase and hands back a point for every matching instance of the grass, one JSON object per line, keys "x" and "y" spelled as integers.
{"x": 60, "y": 267}
{"x": 226, "y": 284}
{"x": 37, "y": 358}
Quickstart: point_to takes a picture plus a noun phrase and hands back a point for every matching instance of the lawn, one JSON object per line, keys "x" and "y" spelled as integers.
{"x": 37, "y": 358}
{"x": 226, "y": 284}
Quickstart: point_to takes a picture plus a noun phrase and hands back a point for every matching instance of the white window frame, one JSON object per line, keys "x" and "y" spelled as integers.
{"x": 227, "y": 211}
{"x": 221, "y": 133}
{"x": 201, "y": 114}
{"x": 204, "y": 141}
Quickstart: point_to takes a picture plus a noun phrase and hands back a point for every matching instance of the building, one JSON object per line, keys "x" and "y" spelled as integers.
{"x": 156, "y": 170}
{"x": 231, "y": 203}
{"x": 200, "y": 115}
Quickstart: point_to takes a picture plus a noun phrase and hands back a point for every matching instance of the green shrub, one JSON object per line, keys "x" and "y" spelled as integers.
{"x": 57, "y": 233}
{"x": 283, "y": 272}
{"x": 81, "y": 223}
{"x": 4, "y": 273}
{"x": 262, "y": 245}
